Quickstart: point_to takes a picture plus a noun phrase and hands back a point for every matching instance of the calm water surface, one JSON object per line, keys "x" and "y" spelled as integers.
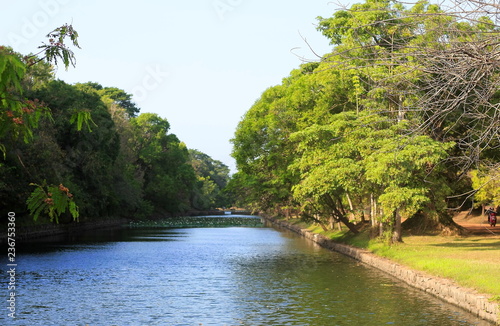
{"x": 210, "y": 276}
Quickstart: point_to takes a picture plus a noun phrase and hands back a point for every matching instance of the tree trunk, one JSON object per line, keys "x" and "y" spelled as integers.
{"x": 323, "y": 226}
{"x": 396, "y": 232}
{"x": 373, "y": 209}
{"x": 316, "y": 220}
{"x": 381, "y": 227}
{"x": 351, "y": 207}
{"x": 339, "y": 212}
{"x": 351, "y": 226}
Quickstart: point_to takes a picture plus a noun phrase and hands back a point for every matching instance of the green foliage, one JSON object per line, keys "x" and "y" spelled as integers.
{"x": 349, "y": 133}
{"x": 115, "y": 165}
{"x": 359, "y": 155}
{"x": 262, "y": 151}
{"x": 213, "y": 177}
{"x": 355, "y": 26}
{"x": 18, "y": 115}
{"x": 12, "y": 70}
{"x": 116, "y": 96}
{"x": 169, "y": 179}
{"x": 52, "y": 201}
{"x": 486, "y": 183}
{"x": 81, "y": 118}
{"x": 57, "y": 49}
{"x": 90, "y": 140}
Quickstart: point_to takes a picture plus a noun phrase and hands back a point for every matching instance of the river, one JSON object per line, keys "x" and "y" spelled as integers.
{"x": 209, "y": 276}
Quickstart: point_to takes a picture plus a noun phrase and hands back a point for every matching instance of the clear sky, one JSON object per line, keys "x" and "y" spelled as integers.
{"x": 200, "y": 64}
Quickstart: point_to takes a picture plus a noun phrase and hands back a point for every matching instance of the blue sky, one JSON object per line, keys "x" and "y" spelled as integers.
{"x": 200, "y": 64}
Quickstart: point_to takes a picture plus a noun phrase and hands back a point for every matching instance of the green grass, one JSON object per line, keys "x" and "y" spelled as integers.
{"x": 472, "y": 262}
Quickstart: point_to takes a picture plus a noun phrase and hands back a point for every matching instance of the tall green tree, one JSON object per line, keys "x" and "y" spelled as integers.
{"x": 334, "y": 161}
{"x": 262, "y": 148}
{"x": 119, "y": 97}
{"x": 358, "y": 155}
{"x": 19, "y": 116}
{"x": 436, "y": 65}
{"x": 169, "y": 179}
{"x": 88, "y": 154}
{"x": 213, "y": 177}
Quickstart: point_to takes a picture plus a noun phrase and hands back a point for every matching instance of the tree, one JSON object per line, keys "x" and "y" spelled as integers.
{"x": 363, "y": 154}
{"x": 127, "y": 175}
{"x": 116, "y": 96}
{"x": 328, "y": 172}
{"x": 168, "y": 178}
{"x": 19, "y": 116}
{"x": 57, "y": 48}
{"x": 368, "y": 39}
{"x": 87, "y": 154}
{"x": 262, "y": 148}
{"x": 351, "y": 131}
{"x": 446, "y": 63}
{"x": 213, "y": 177}
{"x": 487, "y": 184}
{"x": 256, "y": 150}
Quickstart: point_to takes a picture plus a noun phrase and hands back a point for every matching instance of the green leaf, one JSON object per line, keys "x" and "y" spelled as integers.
{"x": 82, "y": 117}
{"x": 53, "y": 201}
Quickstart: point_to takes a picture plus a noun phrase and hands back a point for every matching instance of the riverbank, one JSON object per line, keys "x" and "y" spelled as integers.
{"x": 36, "y": 232}
{"x": 445, "y": 289}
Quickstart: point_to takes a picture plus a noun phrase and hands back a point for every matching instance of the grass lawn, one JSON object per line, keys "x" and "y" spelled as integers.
{"x": 472, "y": 262}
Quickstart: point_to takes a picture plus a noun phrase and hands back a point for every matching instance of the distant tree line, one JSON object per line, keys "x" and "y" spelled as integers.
{"x": 84, "y": 151}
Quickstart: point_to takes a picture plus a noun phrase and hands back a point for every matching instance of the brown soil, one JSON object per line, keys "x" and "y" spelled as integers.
{"x": 476, "y": 224}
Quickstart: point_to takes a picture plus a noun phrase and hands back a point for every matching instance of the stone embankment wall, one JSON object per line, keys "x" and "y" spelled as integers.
{"x": 444, "y": 289}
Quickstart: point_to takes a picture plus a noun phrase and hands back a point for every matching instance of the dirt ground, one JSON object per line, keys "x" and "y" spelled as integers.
{"x": 477, "y": 224}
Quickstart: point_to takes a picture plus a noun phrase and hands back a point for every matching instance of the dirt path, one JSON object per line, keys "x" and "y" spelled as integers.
{"x": 477, "y": 224}
{"x": 481, "y": 229}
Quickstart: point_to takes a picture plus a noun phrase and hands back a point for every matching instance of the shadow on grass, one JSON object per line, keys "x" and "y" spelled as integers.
{"x": 361, "y": 240}
{"x": 471, "y": 244}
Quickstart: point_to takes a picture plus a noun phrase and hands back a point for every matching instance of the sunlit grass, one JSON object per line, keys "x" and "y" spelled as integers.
{"x": 472, "y": 262}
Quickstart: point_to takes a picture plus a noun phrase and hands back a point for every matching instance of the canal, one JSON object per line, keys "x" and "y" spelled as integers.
{"x": 209, "y": 276}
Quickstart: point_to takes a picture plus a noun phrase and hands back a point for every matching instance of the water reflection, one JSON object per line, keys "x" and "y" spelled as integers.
{"x": 300, "y": 287}
{"x": 218, "y": 276}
